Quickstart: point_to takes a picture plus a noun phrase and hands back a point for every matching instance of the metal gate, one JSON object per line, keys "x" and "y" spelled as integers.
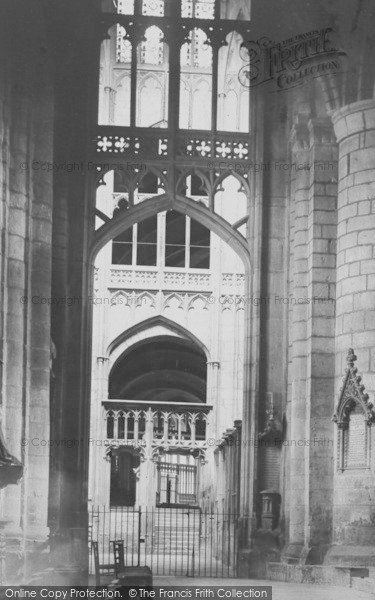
{"x": 172, "y": 541}
{"x": 177, "y": 484}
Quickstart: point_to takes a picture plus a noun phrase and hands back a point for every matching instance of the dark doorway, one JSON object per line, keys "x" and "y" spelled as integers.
{"x": 123, "y": 478}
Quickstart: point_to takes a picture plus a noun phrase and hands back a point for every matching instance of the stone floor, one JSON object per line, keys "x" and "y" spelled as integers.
{"x": 280, "y": 590}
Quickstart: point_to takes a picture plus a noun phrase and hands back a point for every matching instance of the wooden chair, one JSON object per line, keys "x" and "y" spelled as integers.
{"x": 119, "y": 554}
{"x": 98, "y": 567}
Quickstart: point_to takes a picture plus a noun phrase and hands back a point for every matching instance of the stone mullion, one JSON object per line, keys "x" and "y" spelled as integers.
{"x": 192, "y": 423}
{"x": 149, "y": 429}
{"x": 215, "y": 74}
{"x": 321, "y": 330}
{"x": 166, "y": 416}
{"x": 137, "y": 414}
{"x": 300, "y": 196}
{"x": 115, "y": 424}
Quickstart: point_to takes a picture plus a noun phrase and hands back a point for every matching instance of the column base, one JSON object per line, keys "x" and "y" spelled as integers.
{"x": 25, "y": 553}
{"x": 253, "y": 562}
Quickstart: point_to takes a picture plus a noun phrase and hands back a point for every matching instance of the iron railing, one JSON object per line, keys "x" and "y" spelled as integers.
{"x": 171, "y": 541}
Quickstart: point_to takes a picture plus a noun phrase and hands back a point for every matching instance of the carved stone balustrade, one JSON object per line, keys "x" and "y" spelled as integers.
{"x": 172, "y": 425}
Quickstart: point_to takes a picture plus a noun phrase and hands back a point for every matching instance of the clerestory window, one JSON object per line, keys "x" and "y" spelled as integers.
{"x": 135, "y": 76}
{"x": 185, "y": 243}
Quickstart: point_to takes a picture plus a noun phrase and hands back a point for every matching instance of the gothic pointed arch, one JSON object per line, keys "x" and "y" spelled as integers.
{"x": 150, "y": 324}
{"x": 181, "y": 204}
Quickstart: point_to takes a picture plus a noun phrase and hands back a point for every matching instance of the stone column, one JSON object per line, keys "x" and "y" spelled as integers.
{"x": 321, "y": 245}
{"x": 355, "y": 325}
{"x": 299, "y": 317}
{"x": 354, "y": 126}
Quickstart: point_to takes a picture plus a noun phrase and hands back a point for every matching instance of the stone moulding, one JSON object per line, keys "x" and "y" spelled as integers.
{"x": 352, "y": 394}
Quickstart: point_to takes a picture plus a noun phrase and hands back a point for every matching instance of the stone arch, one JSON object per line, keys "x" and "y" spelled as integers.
{"x": 152, "y": 327}
{"x": 192, "y": 209}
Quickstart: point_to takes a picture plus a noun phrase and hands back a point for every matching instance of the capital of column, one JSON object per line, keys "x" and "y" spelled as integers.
{"x": 353, "y": 119}
{"x": 102, "y": 359}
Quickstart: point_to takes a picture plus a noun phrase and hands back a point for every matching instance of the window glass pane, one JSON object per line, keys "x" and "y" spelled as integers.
{"x": 174, "y": 256}
{"x": 146, "y": 242}
{"x": 122, "y": 253}
{"x": 146, "y": 255}
{"x": 122, "y": 248}
{"x": 199, "y": 234}
{"x": 196, "y": 186}
{"x": 175, "y": 228}
{"x": 152, "y": 49}
{"x": 114, "y": 80}
{"x": 147, "y": 230}
{"x": 199, "y": 257}
{"x": 199, "y": 246}
{"x": 175, "y": 237}
{"x": 149, "y": 184}
{"x": 233, "y": 98}
{"x": 152, "y": 80}
{"x": 196, "y": 66}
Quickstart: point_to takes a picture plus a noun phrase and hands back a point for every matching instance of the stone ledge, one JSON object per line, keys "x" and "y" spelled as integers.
{"x": 312, "y": 574}
{"x": 354, "y": 557}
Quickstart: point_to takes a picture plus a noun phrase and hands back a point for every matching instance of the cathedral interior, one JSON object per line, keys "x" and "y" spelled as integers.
{"x": 187, "y": 284}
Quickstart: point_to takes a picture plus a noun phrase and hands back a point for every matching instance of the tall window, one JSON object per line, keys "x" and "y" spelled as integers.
{"x": 137, "y": 245}
{"x": 187, "y": 242}
{"x": 152, "y": 79}
{"x": 147, "y": 104}
{"x": 233, "y": 97}
{"x": 175, "y": 239}
{"x": 195, "y": 103}
{"x": 122, "y": 248}
{"x": 115, "y": 73}
{"x": 147, "y": 242}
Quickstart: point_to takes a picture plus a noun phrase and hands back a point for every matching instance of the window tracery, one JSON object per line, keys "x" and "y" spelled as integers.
{"x": 152, "y": 49}
{"x": 125, "y": 7}
{"x": 197, "y": 52}
{"x": 123, "y": 46}
{"x": 186, "y": 246}
{"x": 198, "y": 9}
{"x": 153, "y": 8}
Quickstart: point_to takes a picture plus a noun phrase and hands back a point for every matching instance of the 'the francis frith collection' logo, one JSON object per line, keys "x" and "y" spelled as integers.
{"x": 290, "y": 62}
